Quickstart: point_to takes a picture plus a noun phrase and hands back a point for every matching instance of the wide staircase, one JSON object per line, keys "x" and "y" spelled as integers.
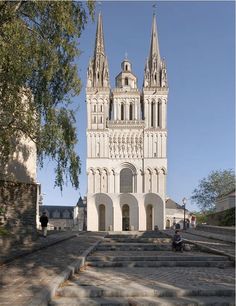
{"x": 141, "y": 269}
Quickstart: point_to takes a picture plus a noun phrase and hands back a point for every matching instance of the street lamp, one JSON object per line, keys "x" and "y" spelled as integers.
{"x": 184, "y": 203}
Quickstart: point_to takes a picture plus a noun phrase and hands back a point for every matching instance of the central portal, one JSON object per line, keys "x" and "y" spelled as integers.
{"x": 125, "y": 218}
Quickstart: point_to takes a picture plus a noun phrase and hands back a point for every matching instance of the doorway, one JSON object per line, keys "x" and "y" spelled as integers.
{"x": 101, "y": 218}
{"x": 125, "y": 218}
{"x": 149, "y": 217}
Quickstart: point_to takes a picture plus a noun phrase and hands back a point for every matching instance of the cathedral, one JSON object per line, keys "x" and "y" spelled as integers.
{"x": 126, "y": 142}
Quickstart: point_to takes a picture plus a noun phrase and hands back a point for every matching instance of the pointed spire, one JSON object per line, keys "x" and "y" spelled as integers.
{"x": 99, "y": 44}
{"x": 154, "y": 48}
{"x": 98, "y": 72}
{"x": 152, "y": 71}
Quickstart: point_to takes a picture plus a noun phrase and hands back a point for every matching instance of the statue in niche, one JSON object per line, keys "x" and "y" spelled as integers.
{"x": 163, "y": 75}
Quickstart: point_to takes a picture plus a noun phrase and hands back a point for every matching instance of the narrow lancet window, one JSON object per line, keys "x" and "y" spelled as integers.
{"x": 122, "y": 112}
{"x": 152, "y": 114}
{"x": 131, "y": 112}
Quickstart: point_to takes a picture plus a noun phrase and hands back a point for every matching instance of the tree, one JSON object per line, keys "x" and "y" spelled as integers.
{"x": 38, "y": 79}
{"x": 218, "y": 183}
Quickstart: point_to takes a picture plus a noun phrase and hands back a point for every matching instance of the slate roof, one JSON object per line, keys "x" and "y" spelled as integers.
{"x": 61, "y": 209}
{"x": 170, "y": 204}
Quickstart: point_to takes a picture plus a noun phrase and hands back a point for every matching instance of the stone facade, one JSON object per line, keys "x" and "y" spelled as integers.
{"x": 225, "y": 202}
{"x": 126, "y": 142}
{"x": 18, "y": 204}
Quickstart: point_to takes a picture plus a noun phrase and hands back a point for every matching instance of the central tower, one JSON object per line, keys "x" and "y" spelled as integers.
{"x": 126, "y": 142}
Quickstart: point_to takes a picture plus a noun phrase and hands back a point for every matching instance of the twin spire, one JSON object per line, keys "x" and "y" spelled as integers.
{"x": 155, "y": 69}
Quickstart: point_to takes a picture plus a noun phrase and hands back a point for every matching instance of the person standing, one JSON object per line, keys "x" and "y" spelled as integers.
{"x": 44, "y": 223}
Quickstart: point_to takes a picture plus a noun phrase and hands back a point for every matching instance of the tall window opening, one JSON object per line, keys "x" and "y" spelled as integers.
{"x": 122, "y": 112}
{"x": 94, "y": 119}
{"x": 94, "y": 108}
{"x": 158, "y": 114}
{"x": 131, "y": 112}
{"x": 152, "y": 114}
{"x": 126, "y": 181}
{"x": 126, "y": 81}
{"x": 125, "y": 218}
{"x": 101, "y": 108}
{"x": 126, "y": 67}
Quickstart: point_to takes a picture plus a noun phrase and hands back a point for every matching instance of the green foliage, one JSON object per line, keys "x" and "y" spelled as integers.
{"x": 200, "y": 217}
{"x": 38, "y": 79}
{"x": 218, "y": 183}
{"x": 228, "y": 218}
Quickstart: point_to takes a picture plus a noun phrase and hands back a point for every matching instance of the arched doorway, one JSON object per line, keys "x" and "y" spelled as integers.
{"x": 167, "y": 223}
{"x": 125, "y": 217}
{"x": 101, "y": 218}
{"x": 149, "y": 217}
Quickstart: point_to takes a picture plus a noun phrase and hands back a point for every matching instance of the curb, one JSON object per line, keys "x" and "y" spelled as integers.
{"x": 45, "y": 295}
{"x": 35, "y": 249}
{"x": 213, "y": 237}
{"x": 206, "y": 248}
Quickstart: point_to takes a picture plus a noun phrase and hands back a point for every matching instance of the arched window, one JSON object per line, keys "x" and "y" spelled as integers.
{"x": 94, "y": 119}
{"x": 101, "y": 108}
{"x": 126, "y": 81}
{"x": 126, "y": 181}
{"x": 122, "y": 112}
{"x": 152, "y": 114}
{"x": 131, "y": 112}
{"x": 101, "y": 120}
{"x": 94, "y": 108}
{"x": 126, "y": 67}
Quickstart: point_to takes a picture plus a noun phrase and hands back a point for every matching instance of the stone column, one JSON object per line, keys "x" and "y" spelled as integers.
{"x": 117, "y": 182}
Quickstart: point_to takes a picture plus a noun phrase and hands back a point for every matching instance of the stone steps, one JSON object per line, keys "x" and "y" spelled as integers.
{"x": 139, "y": 240}
{"x": 76, "y": 291}
{"x": 157, "y": 258}
{"x": 145, "y": 301}
{"x": 145, "y": 272}
{"x": 166, "y": 263}
{"x": 138, "y": 247}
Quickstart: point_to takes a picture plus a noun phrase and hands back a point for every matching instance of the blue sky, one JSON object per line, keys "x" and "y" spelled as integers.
{"x": 197, "y": 41}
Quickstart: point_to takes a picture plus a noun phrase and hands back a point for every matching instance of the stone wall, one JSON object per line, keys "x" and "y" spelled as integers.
{"x": 18, "y": 206}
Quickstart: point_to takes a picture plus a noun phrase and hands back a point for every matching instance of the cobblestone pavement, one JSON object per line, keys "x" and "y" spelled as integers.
{"x": 22, "y": 278}
{"x": 157, "y": 278}
{"x": 219, "y": 245}
{"x": 18, "y": 249}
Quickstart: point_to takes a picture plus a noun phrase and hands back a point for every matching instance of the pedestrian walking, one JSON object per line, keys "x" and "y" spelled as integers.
{"x": 44, "y": 223}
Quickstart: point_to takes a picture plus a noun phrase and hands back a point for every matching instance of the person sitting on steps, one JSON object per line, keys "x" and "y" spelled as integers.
{"x": 177, "y": 244}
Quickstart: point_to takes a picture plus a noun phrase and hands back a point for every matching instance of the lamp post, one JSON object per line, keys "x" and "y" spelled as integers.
{"x": 184, "y": 203}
